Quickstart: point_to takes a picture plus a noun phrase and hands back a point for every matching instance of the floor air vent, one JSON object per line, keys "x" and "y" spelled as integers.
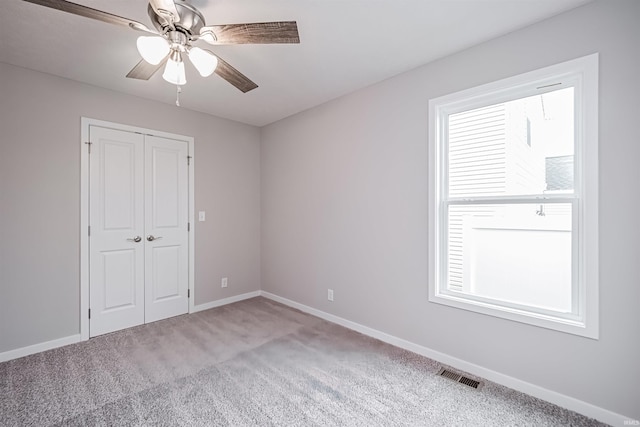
{"x": 459, "y": 378}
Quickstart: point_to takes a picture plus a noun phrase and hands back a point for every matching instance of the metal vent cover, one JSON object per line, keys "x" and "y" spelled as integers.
{"x": 460, "y": 378}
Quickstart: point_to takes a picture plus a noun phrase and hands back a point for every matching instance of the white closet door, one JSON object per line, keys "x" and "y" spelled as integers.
{"x": 166, "y": 235}
{"x": 116, "y": 241}
{"x": 139, "y": 255}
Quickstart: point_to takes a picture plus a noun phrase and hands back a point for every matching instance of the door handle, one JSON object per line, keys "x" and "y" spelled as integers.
{"x": 151, "y": 238}
{"x": 135, "y": 239}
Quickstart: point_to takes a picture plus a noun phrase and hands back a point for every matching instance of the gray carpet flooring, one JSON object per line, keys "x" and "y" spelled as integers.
{"x": 252, "y": 363}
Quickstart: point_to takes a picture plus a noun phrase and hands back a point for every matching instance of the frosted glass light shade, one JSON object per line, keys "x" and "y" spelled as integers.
{"x": 153, "y": 49}
{"x": 174, "y": 70}
{"x": 204, "y": 61}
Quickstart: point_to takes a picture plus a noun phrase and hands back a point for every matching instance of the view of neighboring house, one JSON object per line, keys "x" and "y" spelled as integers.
{"x": 518, "y": 148}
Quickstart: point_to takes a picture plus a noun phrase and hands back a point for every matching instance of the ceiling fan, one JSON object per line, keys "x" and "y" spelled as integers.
{"x": 177, "y": 26}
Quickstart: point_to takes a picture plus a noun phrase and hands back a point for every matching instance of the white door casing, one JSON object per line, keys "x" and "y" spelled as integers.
{"x": 135, "y": 183}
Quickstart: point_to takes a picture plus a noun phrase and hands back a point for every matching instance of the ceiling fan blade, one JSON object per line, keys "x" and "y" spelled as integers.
{"x": 143, "y": 70}
{"x": 166, "y": 8}
{"x": 234, "y": 76}
{"x": 88, "y": 12}
{"x": 256, "y": 33}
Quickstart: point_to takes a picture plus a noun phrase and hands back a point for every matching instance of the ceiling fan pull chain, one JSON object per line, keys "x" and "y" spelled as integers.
{"x": 178, "y": 91}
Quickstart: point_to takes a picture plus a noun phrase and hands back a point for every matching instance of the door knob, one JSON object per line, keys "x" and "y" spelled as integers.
{"x": 151, "y": 237}
{"x": 135, "y": 239}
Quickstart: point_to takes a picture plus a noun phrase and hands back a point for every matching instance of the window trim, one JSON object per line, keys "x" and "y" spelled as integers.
{"x": 583, "y": 72}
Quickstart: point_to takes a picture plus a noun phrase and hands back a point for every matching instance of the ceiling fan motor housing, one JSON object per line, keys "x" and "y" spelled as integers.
{"x": 190, "y": 22}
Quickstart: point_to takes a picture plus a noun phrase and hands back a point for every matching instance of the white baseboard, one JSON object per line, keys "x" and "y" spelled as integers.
{"x": 37, "y": 348}
{"x": 224, "y": 301}
{"x": 556, "y": 398}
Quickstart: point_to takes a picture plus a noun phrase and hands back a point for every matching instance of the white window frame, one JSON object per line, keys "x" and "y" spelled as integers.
{"x": 582, "y": 74}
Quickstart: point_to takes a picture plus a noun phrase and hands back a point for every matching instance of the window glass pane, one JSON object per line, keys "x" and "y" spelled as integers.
{"x": 519, "y": 147}
{"x": 513, "y": 253}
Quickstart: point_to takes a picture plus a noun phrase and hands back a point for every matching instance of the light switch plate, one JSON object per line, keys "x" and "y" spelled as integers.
{"x": 201, "y": 216}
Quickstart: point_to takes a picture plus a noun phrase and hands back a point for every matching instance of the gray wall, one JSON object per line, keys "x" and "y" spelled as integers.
{"x": 344, "y": 206}
{"x": 40, "y": 199}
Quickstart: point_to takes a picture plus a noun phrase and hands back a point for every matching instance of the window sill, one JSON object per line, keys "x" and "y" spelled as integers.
{"x": 570, "y": 326}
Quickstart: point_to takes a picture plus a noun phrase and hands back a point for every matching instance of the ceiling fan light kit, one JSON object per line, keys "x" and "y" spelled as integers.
{"x": 204, "y": 61}
{"x": 174, "y": 70}
{"x": 153, "y": 49}
{"x": 178, "y": 25}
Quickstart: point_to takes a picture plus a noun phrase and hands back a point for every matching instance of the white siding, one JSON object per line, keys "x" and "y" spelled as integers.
{"x": 477, "y": 152}
{"x": 477, "y": 159}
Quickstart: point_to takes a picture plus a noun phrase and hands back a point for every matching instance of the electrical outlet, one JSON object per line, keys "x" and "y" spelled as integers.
{"x": 224, "y": 282}
{"x": 330, "y": 294}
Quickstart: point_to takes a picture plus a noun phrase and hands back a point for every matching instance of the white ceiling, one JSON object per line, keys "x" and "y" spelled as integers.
{"x": 344, "y": 45}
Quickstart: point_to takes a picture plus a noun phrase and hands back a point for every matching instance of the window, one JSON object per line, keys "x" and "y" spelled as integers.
{"x": 514, "y": 198}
